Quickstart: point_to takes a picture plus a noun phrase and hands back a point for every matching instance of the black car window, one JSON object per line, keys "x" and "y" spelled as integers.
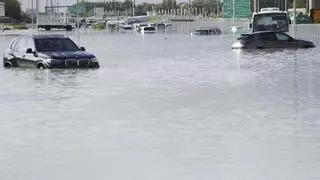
{"x": 267, "y": 37}
{"x": 55, "y": 44}
{"x": 282, "y": 37}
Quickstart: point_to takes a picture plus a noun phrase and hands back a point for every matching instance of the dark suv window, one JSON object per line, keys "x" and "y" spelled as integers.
{"x": 267, "y": 37}
{"x": 55, "y": 44}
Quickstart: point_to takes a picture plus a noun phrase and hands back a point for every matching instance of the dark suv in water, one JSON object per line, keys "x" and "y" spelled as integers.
{"x": 47, "y": 51}
{"x": 269, "y": 39}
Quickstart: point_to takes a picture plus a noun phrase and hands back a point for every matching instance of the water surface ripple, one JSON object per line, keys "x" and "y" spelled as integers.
{"x": 164, "y": 106}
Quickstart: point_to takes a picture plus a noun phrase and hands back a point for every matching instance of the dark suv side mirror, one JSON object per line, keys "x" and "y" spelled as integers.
{"x": 82, "y": 49}
{"x": 29, "y": 51}
{"x": 250, "y": 25}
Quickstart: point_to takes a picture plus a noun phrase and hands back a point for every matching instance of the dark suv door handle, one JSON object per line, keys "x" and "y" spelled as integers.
{"x": 23, "y": 56}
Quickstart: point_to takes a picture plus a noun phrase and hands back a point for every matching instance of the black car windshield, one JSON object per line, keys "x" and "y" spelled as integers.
{"x": 55, "y": 44}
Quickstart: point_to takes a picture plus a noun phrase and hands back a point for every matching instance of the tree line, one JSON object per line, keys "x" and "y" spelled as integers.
{"x": 13, "y": 7}
{"x": 216, "y": 5}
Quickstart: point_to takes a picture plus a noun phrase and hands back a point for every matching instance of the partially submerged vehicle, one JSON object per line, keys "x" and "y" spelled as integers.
{"x": 47, "y": 51}
{"x": 269, "y": 39}
{"x": 207, "y": 31}
{"x": 147, "y": 29}
{"x": 270, "y": 19}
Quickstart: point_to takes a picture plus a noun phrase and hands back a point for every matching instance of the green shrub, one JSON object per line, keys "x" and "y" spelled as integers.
{"x": 99, "y": 26}
{"x": 19, "y": 26}
{"x": 155, "y": 19}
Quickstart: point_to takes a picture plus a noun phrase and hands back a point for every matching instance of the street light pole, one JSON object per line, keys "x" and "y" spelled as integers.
{"x": 32, "y": 13}
{"x": 285, "y": 5}
{"x": 133, "y": 6}
{"x": 233, "y": 10}
{"x": 294, "y": 18}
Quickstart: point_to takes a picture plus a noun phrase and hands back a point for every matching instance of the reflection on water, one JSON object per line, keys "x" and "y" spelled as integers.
{"x": 164, "y": 106}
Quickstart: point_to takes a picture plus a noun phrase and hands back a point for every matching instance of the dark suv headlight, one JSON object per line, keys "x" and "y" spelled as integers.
{"x": 237, "y": 44}
{"x": 94, "y": 59}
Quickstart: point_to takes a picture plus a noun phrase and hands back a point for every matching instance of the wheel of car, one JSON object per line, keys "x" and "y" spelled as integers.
{"x": 41, "y": 66}
{"x": 69, "y": 28}
{"x": 7, "y": 65}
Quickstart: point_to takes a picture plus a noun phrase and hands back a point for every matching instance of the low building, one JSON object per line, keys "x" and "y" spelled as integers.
{"x": 314, "y": 4}
{"x": 2, "y": 9}
{"x": 242, "y": 9}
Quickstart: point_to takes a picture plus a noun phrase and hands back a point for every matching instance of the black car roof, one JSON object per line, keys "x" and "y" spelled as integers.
{"x": 48, "y": 36}
{"x": 44, "y": 36}
{"x": 207, "y": 28}
{"x": 262, "y": 32}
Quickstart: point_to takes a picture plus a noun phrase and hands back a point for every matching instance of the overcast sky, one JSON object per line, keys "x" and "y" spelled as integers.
{"x": 42, "y": 3}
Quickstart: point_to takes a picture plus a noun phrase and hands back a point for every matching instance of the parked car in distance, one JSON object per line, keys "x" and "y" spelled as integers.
{"x": 207, "y": 31}
{"x": 47, "y": 51}
{"x": 269, "y": 39}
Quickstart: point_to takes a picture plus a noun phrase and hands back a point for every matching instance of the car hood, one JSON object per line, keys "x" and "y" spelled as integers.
{"x": 69, "y": 55}
{"x": 306, "y": 43}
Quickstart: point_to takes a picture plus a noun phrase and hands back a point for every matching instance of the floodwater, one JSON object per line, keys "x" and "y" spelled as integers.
{"x": 164, "y": 107}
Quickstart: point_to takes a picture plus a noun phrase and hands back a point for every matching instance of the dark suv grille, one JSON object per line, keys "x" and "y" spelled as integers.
{"x": 83, "y": 62}
{"x": 71, "y": 63}
{"x": 74, "y": 63}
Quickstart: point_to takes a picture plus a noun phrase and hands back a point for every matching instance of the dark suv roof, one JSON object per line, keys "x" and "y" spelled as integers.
{"x": 262, "y": 32}
{"x": 45, "y": 36}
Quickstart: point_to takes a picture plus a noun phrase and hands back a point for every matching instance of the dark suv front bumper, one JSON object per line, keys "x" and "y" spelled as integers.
{"x": 82, "y": 63}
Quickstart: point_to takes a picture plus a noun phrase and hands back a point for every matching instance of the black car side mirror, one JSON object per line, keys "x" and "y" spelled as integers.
{"x": 250, "y": 25}
{"x": 29, "y": 51}
{"x": 82, "y": 49}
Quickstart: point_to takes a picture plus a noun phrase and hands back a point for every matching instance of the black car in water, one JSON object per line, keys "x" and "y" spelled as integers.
{"x": 207, "y": 31}
{"x": 47, "y": 51}
{"x": 269, "y": 39}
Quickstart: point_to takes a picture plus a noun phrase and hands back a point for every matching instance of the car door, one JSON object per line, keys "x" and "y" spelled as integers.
{"x": 267, "y": 40}
{"x": 29, "y": 58}
{"x": 9, "y": 55}
{"x": 20, "y": 51}
{"x": 285, "y": 41}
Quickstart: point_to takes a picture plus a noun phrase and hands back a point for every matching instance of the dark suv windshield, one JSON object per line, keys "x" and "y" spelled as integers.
{"x": 55, "y": 44}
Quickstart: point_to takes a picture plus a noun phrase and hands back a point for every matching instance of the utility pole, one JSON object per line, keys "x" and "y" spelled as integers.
{"x": 294, "y": 18}
{"x": 286, "y": 5}
{"x": 233, "y": 10}
{"x": 218, "y": 8}
{"x": 32, "y": 13}
{"x": 189, "y": 10}
{"x": 37, "y": 12}
{"x": 133, "y": 6}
